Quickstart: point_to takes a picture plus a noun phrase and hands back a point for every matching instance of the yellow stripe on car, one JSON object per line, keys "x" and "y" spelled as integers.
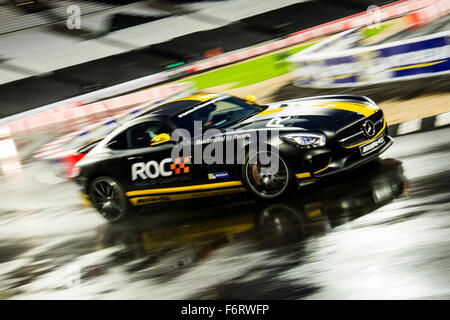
{"x": 91, "y": 142}
{"x": 324, "y": 168}
{"x": 183, "y": 196}
{"x": 270, "y": 111}
{"x": 365, "y": 110}
{"x": 199, "y": 97}
{"x": 307, "y": 174}
{"x": 198, "y": 187}
{"x": 303, "y": 175}
{"x": 315, "y": 213}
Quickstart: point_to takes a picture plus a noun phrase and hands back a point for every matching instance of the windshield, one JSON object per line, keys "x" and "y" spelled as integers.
{"x": 216, "y": 114}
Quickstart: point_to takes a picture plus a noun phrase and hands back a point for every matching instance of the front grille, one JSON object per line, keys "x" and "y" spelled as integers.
{"x": 354, "y": 135}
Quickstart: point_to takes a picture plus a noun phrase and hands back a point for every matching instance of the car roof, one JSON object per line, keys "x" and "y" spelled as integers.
{"x": 179, "y": 105}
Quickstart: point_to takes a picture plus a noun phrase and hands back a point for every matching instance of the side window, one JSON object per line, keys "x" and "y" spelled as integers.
{"x": 119, "y": 142}
{"x": 141, "y": 135}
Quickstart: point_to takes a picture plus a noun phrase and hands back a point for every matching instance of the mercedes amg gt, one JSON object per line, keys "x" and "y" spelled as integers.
{"x": 217, "y": 144}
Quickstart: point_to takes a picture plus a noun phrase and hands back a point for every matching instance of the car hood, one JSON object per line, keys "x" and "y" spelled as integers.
{"x": 331, "y": 112}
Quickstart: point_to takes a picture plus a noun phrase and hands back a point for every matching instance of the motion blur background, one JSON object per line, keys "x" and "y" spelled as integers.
{"x": 73, "y": 70}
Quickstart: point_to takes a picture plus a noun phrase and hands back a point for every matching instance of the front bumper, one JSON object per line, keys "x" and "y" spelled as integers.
{"x": 336, "y": 162}
{"x": 347, "y": 163}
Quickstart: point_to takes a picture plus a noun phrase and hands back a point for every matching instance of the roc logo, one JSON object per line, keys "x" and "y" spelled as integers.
{"x": 178, "y": 165}
{"x": 153, "y": 169}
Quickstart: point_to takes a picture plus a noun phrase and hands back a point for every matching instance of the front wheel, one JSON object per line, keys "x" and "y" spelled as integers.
{"x": 109, "y": 199}
{"x": 267, "y": 175}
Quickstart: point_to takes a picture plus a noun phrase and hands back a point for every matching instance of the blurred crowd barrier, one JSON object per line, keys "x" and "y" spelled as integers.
{"x": 9, "y": 159}
{"x": 67, "y": 144}
{"x": 341, "y": 61}
{"x": 386, "y": 12}
{"x": 77, "y": 124}
{"x": 116, "y": 106}
{"x": 428, "y": 14}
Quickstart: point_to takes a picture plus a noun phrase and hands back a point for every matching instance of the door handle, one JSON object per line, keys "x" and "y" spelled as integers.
{"x": 135, "y": 158}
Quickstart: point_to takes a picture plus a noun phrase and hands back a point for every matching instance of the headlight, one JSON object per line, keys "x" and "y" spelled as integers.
{"x": 305, "y": 140}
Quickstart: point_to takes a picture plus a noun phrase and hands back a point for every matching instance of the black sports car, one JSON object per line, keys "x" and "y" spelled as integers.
{"x": 216, "y": 144}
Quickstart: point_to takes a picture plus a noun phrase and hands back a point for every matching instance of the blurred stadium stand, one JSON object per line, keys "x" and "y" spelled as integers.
{"x": 46, "y": 49}
{"x": 33, "y": 92}
{"x": 103, "y": 21}
{"x": 15, "y": 17}
{"x": 193, "y": 47}
{"x": 47, "y": 63}
{"x": 308, "y": 14}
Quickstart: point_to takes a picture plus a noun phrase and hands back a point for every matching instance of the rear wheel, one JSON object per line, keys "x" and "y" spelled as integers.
{"x": 109, "y": 199}
{"x": 268, "y": 179}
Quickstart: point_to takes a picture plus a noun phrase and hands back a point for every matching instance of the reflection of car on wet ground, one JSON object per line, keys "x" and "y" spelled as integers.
{"x": 296, "y": 141}
{"x": 172, "y": 240}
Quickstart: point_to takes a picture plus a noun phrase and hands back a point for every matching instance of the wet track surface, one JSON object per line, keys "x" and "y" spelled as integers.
{"x": 379, "y": 232}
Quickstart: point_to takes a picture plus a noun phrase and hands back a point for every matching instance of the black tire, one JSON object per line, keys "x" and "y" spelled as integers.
{"x": 268, "y": 185}
{"x": 109, "y": 199}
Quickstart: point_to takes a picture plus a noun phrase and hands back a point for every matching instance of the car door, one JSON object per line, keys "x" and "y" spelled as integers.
{"x": 148, "y": 163}
{"x": 219, "y": 147}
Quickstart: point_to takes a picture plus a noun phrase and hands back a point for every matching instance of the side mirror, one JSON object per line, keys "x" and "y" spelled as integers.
{"x": 250, "y": 99}
{"x": 160, "y": 138}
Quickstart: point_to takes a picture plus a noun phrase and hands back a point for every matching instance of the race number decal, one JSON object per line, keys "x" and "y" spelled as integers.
{"x": 276, "y": 122}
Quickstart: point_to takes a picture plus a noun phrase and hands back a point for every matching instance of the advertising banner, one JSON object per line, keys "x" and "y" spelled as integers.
{"x": 401, "y": 60}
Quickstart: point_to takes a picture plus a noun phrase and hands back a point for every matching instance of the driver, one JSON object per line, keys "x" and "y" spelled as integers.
{"x": 204, "y": 115}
